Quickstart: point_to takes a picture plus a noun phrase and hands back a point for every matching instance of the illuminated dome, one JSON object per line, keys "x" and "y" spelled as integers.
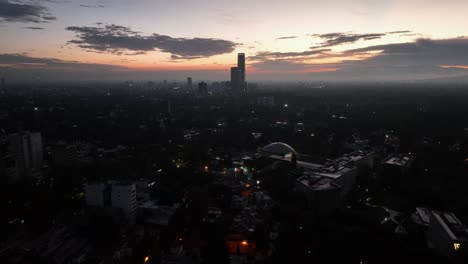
{"x": 278, "y": 148}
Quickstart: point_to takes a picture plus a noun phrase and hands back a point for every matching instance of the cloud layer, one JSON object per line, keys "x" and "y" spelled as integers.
{"x": 119, "y": 40}
{"x": 18, "y": 11}
{"x": 420, "y": 59}
{"x": 21, "y": 61}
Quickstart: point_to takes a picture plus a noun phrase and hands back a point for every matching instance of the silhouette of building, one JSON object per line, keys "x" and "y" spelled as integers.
{"x": 446, "y": 234}
{"x": 113, "y": 195}
{"x": 238, "y": 84}
{"x": 3, "y": 84}
{"x": 189, "y": 83}
{"x": 241, "y": 69}
{"x": 95, "y": 194}
{"x": 25, "y": 157}
{"x": 202, "y": 88}
{"x": 235, "y": 79}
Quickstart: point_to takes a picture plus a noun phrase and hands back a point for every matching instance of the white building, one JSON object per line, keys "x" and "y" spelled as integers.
{"x": 123, "y": 196}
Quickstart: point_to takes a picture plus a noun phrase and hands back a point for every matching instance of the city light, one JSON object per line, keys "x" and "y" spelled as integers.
{"x": 146, "y": 260}
{"x": 245, "y": 243}
{"x": 456, "y": 246}
{"x": 205, "y": 168}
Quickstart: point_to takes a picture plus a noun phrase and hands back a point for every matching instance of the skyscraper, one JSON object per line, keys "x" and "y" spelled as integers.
{"x": 238, "y": 84}
{"x": 241, "y": 67}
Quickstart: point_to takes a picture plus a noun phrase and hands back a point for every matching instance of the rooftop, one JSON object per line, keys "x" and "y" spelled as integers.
{"x": 398, "y": 161}
{"x": 317, "y": 182}
{"x": 451, "y": 225}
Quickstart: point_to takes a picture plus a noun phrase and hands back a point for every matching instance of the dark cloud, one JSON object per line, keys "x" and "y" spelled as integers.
{"x": 22, "y": 61}
{"x": 288, "y": 37}
{"x": 18, "y": 11}
{"x": 420, "y": 52}
{"x": 421, "y": 59}
{"x": 115, "y": 39}
{"x": 399, "y": 32}
{"x": 269, "y": 55}
{"x": 336, "y": 39}
{"x": 35, "y": 28}
{"x": 92, "y": 6}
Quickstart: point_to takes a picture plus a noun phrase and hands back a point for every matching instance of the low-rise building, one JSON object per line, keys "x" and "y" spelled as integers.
{"x": 447, "y": 235}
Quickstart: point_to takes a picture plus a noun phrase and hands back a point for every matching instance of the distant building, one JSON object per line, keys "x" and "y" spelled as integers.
{"x": 3, "y": 83}
{"x": 189, "y": 83}
{"x": 95, "y": 194}
{"x": 241, "y": 70}
{"x": 266, "y": 101}
{"x": 113, "y": 195}
{"x": 238, "y": 84}
{"x": 325, "y": 186}
{"x": 203, "y": 88}
{"x": 235, "y": 79}
{"x": 399, "y": 163}
{"x": 123, "y": 196}
{"x": 447, "y": 235}
{"x": 25, "y": 157}
{"x": 395, "y": 168}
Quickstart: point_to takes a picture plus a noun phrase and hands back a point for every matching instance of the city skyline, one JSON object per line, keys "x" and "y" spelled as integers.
{"x": 391, "y": 40}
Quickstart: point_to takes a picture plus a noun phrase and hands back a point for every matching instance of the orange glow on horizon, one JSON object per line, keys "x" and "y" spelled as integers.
{"x": 465, "y": 67}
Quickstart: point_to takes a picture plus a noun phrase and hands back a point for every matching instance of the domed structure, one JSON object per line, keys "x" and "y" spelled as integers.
{"x": 278, "y": 148}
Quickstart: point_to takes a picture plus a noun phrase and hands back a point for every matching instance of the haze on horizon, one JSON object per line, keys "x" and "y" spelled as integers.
{"x": 335, "y": 40}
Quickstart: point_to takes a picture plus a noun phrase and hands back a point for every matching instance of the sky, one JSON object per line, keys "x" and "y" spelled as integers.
{"x": 306, "y": 40}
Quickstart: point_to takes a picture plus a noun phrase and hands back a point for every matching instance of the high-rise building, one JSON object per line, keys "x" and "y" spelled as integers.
{"x": 238, "y": 84}
{"x": 189, "y": 83}
{"x": 123, "y": 196}
{"x": 26, "y": 148}
{"x": 113, "y": 195}
{"x": 241, "y": 67}
{"x": 3, "y": 83}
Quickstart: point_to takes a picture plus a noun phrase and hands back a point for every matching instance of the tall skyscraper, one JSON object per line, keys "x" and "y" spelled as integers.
{"x": 189, "y": 83}
{"x": 238, "y": 84}
{"x": 241, "y": 67}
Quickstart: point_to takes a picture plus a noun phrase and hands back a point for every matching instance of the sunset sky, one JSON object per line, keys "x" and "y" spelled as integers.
{"x": 283, "y": 40}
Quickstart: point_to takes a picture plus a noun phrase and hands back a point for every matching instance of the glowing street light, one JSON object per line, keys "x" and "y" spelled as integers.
{"x": 146, "y": 260}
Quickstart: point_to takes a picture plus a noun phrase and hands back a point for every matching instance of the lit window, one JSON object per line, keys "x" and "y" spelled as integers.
{"x": 456, "y": 246}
